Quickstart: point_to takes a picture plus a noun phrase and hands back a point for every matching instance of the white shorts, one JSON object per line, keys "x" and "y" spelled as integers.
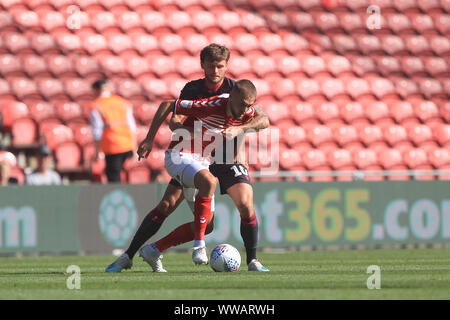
{"x": 183, "y": 166}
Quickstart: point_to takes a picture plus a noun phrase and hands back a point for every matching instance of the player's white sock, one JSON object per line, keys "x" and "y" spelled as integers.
{"x": 199, "y": 244}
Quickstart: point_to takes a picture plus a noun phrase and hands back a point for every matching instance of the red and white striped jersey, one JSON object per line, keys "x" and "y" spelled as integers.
{"x": 211, "y": 113}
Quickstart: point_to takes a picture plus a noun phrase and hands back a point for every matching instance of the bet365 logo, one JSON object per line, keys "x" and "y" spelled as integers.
{"x": 118, "y": 217}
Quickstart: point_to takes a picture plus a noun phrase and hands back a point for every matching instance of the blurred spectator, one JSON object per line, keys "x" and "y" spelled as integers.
{"x": 7, "y": 162}
{"x": 43, "y": 174}
{"x": 114, "y": 128}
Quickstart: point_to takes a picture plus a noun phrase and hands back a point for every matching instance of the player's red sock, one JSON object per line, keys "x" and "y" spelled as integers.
{"x": 202, "y": 213}
{"x": 180, "y": 235}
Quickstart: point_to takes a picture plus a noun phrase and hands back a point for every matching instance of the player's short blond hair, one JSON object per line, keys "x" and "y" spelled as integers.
{"x": 214, "y": 52}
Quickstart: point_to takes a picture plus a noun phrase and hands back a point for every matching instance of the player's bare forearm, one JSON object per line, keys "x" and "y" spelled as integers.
{"x": 259, "y": 121}
{"x": 176, "y": 123}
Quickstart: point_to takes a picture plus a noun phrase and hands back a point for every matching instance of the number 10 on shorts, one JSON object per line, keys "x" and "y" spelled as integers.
{"x": 239, "y": 170}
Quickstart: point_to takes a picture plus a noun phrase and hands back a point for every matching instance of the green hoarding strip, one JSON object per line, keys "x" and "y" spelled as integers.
{"x": 101, "y": 218}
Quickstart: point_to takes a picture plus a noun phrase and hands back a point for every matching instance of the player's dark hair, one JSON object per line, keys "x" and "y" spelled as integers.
{"x": 246, "y": 88}
{"x": 97, "y": 85}
{"x": 214, "y": 52}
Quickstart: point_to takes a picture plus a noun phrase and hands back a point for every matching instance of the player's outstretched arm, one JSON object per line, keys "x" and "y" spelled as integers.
{"x": 176, "y": 123}
{"x": 145, "y": 147}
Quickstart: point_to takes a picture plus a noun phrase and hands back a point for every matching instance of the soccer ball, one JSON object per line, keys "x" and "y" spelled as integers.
{"x": 225, "y": 258}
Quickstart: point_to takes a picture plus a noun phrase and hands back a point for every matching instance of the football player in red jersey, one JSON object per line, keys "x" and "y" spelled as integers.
{"x": 214, "y": 59}
{"x": 186, "y": 164}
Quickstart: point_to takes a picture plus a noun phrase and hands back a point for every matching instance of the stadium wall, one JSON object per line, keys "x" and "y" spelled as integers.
{"x": 90, "y": 219}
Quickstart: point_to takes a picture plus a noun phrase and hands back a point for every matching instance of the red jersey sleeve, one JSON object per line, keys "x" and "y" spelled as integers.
{"x": 200, "y": 108}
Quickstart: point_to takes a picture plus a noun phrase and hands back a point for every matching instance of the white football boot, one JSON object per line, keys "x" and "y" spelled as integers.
{"x": 122, "y": 262}
{"x": 256, "y": 265}
{"x": 153, "y": 257}
{"x": 199, "y": 255}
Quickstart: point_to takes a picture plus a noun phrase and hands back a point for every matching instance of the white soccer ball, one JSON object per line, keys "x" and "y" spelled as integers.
{"x": 225, "y": 258}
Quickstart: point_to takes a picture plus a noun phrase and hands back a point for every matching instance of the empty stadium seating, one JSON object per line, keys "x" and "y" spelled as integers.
{"x": 344, "y": 96}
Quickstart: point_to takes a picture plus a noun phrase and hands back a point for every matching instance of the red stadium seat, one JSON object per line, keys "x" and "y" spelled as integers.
{"x": 155, "y": 87}
{"x": 320, "y": 135}
{"x": 401, "y": 111}
{"x": 144, "y": 43}
{"x": 327, "y": 111}
{"x": 439, "y": 44}
{"x": 388, "y": 65}
{"x": 202, "y": 19}
{"x": 86, "y": 65}
{"x": 392, "y": 44}
{"x": 417, "y": 44}
{"x": 59, "y": 64}
{"x": 156, "y": 160}
{"x": 128, "y": 20}
{"x": 347, "y": 137}
{"x": 40, "y": 110}
{"x": 303, "y": 112}
{"x": 442, "y": 22}
{"x": 94, "y": 43}
{"x": 381, "y": 87}
{"x": 188, "y": 66}
{"x": 412, "y": 65}
{"x": 370, "y": 134}
{"x": 307, "y": 88}
{"x": 338, "y": 65}
{"x": 10, "y": 64}
{"x": 13, "y": 110}
{"x": 16, "y": 42}
{"x": 262, "y": 87}
{"x": 426, "y": 110}
{"x": 312, "y": 64}
{"x": 357, "y": 87}
{"x": 397, "y": 137}
{"x": 270, "y": 42}
{"x": 420, "y": 134}
{"x": 344, "y": 43}
{"x": 77, "y": 88}
{"x": 263, "y": 65}
{"x": 50, "y": 88}
{"x": 102, "y": 20}
{"x": 399, "y": 23}
{"x": 129, "y": 88}
{"x": 276, "y": 111}
{"x": 288, "y": 65}
{"x": 376, "y": 110}
{"x": 162, "y": 65}
{"x": 294, "y": 43}
{"x": 245, "y": 42}
{"x": 350, "y": 22}
{"x": 34, "y": 65}
{"x": 118, "y": 42}
{"x": 195, "y": 42}
{"x": 68, "y": 156}
{"x": 239, "y": 65}
{"x": 24, "y": 87}
{"x": 352, "y": 111}
{"x": 429, "y": 5}
{"x": 366, "y": 159}
{"x": 68, "y": 111}
{"x": 138, "y": 175}
{"x": 252, "y": 21}
{"x": 83, "y": 134}
{"x": 282, "y": 88}
{"x": 290, "y": 158}
{"x": 57, "y": 134}
{"x": 24, "y": 132}
{"x": 416, "y": 159}
{"x": 332, "y": 87}
{"x": 368, "y": 44}
{"x": 430, "y": 87}
{"x": 442, "y": 134}
{"x": 391, "y": 159}
{"x": 363, "y": 65}
{"x": 422, "y": 23}
{"x": 341, "y": 159}
{"x": 405, "y": 5}
{"x": 439, "y": 157}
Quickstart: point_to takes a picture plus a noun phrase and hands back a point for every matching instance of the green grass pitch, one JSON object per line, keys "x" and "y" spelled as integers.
{"x": 405, "y": 274}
